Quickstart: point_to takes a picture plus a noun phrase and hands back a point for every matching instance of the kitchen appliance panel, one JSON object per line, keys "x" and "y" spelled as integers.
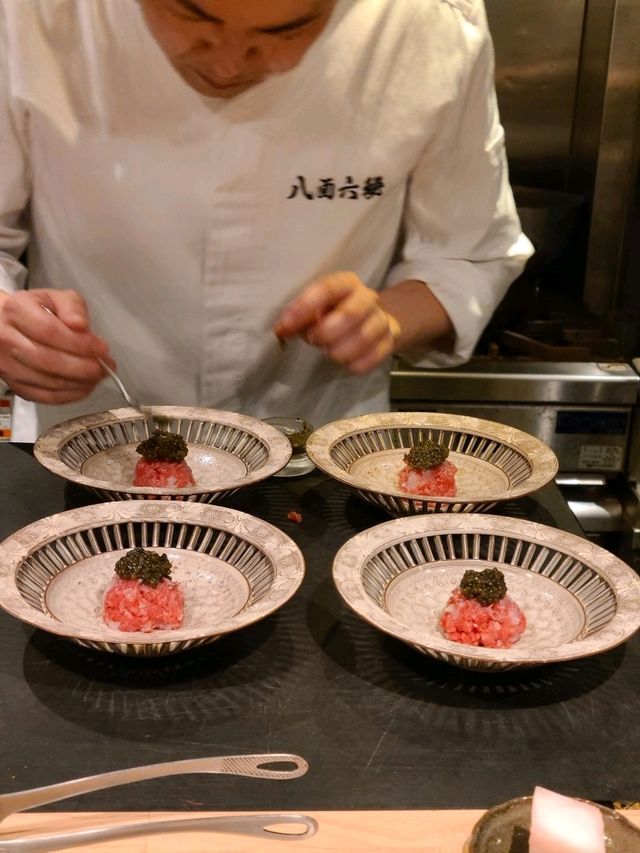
{"x": 599, "y": 448}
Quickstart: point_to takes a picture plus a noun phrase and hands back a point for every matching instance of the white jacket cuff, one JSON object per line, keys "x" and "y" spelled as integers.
{"x": 469, "y": 291}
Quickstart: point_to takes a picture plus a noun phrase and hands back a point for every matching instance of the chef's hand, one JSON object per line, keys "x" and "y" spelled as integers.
{"x": 343, "y": 317}
{"x": 49, "y": 357}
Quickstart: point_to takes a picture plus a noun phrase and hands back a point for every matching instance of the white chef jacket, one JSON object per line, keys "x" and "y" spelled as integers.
{"x": 188, "y": 223}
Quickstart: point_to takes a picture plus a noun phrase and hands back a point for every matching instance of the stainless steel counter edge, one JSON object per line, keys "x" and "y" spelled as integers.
{"x": 569, "y": 383}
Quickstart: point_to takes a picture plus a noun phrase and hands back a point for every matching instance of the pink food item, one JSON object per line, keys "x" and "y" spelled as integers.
{"x": 561, "y": 824}
{"x": 168, "y": 475}
{"x": 495, "y": 626}
{"x": 432, "y": 482}
{"x": 131, "y": 605}
{"x": 295, "y": 516}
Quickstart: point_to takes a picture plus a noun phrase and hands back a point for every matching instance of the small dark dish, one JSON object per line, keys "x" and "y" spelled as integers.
{"x": 506, "y": 827}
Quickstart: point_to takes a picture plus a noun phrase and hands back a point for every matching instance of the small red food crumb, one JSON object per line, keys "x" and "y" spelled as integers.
{"x": 434, "y": 482}
{"x": 131, "y": 605}
{"x": 168, "y": 475}
{"x": 295, "y": 516}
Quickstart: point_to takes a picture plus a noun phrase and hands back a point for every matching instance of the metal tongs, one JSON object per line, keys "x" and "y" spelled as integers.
{"x": 256, "y": 825}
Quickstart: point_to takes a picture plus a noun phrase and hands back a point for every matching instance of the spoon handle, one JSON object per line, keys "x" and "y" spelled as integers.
{"x": 257, "y": 826}
{"x": 131, "y": 401}
{"x": 256, "y": 766}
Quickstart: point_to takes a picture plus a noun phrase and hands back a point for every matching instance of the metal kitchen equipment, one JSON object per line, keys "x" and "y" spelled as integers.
{"x": 568, "y": 84}
{"x": 261, "y": 766}
{"x": 582, "y": 411}
{"x": 586, "y": 412}
{"x": 265, "y": 826}
{"x": 556, "y": 359}
{"x": 268, "y": 765}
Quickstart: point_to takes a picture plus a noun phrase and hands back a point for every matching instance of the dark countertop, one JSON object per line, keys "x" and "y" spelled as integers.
{"x": 382, "y": 726}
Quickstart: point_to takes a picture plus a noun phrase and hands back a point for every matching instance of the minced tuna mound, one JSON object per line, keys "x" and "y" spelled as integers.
{"x": 131, "y": 605}
{"x": 495, "y": 626}
{"x": 432, "y": 482}
{"x": 168, "y": 475}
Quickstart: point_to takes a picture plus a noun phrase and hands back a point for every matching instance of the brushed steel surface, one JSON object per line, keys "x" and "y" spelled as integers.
{"x": 537, "y": 46}
{"x": 627, "y": 310}
{"x": 577, "y": 383}
{"x": 598, "y": 514}
{"x": 630, "y": 500}
{"x": 568, "y": 85}
{"x": 263, "y": 826}
{"x": 613, "y": 188}
{"x": 590, "y": 94}
{"x": 255, "y": 766}
{"x": 633, "y": 457}
{"x": 576, "y": 453}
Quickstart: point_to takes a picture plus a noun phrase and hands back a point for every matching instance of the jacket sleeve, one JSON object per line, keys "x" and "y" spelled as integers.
{"x": 14, "y": 174}
{"x": 462, "y": 234}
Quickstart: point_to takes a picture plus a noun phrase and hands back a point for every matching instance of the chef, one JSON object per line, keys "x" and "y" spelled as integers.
{"x": 195, "y": 179}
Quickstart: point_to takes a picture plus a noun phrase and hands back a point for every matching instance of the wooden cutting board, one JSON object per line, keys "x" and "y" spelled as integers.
{"x": 339, "y": 832}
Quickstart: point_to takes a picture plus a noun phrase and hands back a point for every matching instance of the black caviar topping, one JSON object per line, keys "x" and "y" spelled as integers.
{"x": 163, "y": 446}
{"x": 147, "y": 566}
{"x": 426, "y": 454}
{"x": 487, "y": 586}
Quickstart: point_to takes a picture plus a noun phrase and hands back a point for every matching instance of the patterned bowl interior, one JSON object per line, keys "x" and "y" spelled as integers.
{"x": 226, "y": 451}
{"x": 494, "y": 462}
{"x": 252, "y": 450}
{"x": 233, "y": 569}
{"x": 578, "y": 599}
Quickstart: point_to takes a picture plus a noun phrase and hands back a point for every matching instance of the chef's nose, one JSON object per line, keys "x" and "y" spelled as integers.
{"x": 230, "y": 56}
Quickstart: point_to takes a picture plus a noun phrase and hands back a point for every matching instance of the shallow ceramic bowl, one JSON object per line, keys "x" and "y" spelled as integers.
{"x": 234, "y": 570}
{"x": 495, "y": 462}
{"x": 506, "y": 827}
{"x": 226, "y": 451}
{"x": 579, "y": 599}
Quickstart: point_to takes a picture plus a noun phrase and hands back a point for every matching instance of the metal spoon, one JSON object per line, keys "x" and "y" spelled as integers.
{"x": 255, "y": 766}
{"x": 256, "y": 826}
{"x": 128, "y": 397}
{"x": 145, "y": 411}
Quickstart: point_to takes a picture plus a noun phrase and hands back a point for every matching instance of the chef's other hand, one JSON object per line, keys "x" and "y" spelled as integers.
{"x": 343, "y": 317}
{"x": 49, "y": 357}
